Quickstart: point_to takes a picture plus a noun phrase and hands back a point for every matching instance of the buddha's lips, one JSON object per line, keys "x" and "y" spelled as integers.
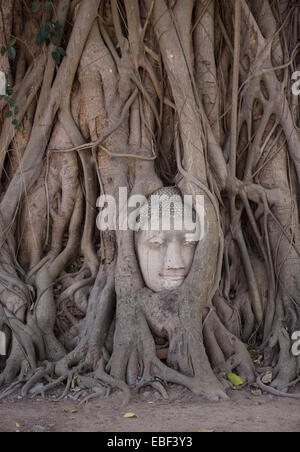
{"x": 173, "y": 278}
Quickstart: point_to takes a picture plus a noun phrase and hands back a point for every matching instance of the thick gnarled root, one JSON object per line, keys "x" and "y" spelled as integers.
{"x": 143, "y": 367}
{"x": 226, "y": 352}
{"x": 287, "y": 367}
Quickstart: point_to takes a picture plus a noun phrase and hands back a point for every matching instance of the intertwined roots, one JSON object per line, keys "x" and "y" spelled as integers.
{"x": 146, "y": 93}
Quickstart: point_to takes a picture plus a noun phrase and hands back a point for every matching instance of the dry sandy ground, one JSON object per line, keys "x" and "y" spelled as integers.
{"x": 182, "y": 413}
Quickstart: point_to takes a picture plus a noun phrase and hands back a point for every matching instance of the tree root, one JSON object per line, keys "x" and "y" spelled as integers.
{"x": 11, "y": 390}
{"x": 93, "y": 396}
{"x": 274, "y": 391}
{"x": 155, "y": 384}
{"x": 52, "y": 385}
{"x": 285, "y": 370}
{"x": 40, "y": 374}
{"x": 227, "y": 353}
{"x": 102, "y": 376}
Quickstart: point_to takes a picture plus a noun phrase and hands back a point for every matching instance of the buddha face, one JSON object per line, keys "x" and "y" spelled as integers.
{"x": 165, "y": 254}
{"x": 165, "y": 258}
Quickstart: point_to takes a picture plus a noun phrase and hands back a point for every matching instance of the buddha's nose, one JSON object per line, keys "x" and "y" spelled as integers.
{"x": 173, "y": 259}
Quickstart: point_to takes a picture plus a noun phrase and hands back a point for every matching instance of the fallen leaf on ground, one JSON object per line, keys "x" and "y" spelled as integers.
{"x": 257, "y": 393}
{"x": 267, "y": 378}
{"x": 130, "y": 415}
{"x": 256, "y": 356}
{"x": 203, "y": 430}
{"x": 235, "y": 379}
{"x": 70, "y": 410}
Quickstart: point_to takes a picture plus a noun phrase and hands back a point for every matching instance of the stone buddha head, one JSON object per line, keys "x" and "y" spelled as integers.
{"x": 165, "y": 242}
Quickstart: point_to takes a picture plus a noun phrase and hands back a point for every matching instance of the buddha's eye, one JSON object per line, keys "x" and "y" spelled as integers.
{"x": 156, "y": 244}
{"x": 189, "y": 243}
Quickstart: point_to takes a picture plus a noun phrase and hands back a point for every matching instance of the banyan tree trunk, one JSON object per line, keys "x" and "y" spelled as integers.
{"x": 140, "y": 95}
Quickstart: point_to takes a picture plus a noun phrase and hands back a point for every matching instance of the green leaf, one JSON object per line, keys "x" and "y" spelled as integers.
{"x": 47, "y": 28}
{"x": 56, "y": 56}
{"x": 3, "y": 50}
{"x": 9, "y": 114}
{"x": 12, "y": 42}
{"x": 61, "y": 51}
{"x": 12, "y": 52}
{"x": 48, "y": 6}
{"x": 64, "y": 8}
{"x": 74, "y": 380}
{"x": 235, "y": 379}
{"x": 36, "y": 6}
{"x": 57, "y": 29}
{"x": 16, "y": 110}
{"x": 15, "y": 122}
